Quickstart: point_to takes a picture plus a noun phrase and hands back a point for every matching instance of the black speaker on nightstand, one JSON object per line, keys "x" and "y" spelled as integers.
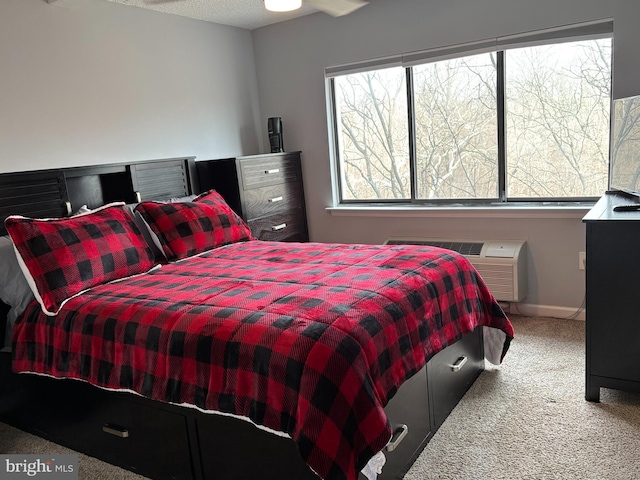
{"x": 274, "y": 127}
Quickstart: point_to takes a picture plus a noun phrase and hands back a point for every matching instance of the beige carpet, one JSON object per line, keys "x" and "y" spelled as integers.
{"x": 526, "y": 419}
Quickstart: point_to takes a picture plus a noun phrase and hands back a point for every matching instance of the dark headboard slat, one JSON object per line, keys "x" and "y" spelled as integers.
{"x": 160, "y": 181}
{"x": 32, "y": 194}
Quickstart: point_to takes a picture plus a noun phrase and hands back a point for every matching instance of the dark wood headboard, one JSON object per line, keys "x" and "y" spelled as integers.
{"x": 60, "y": 192}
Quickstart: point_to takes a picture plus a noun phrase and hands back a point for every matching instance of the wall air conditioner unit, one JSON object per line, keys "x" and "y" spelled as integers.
{"x": 501, "y": 263}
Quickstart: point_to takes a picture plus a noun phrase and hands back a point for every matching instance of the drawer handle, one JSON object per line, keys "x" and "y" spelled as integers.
{"x": 456, "y": 367}
{"x": 397, "y": 437}
{"x": 138, "y": 197}
{"x": 275, "y": 228}
{"x": 120, "y": 432}
{"x": 275, "y": 199}
{"x": 273, "y": 170}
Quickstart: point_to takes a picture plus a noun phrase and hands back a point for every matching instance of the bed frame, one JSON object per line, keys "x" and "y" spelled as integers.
{"x": 166, "y": 441}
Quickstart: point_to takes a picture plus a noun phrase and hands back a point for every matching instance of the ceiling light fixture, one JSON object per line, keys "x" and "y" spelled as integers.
{"x": 282, "y": 5}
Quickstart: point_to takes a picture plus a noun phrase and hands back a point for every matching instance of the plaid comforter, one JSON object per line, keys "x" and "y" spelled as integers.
{"x": 308, "y": 339}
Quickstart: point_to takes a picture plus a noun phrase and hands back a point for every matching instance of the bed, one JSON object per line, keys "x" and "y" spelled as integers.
{"x": 315, "y": 344}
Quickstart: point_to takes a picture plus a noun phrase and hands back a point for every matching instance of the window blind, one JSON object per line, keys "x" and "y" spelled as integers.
{"x": 566, "y": 33}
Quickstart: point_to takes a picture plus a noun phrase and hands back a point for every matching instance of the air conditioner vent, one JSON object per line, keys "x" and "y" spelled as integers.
{"x": 502, "y": 264}
{"x": 465, "y": 248}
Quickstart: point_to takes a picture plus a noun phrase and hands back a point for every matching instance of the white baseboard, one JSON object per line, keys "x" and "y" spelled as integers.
{"x": 554, "y": 311}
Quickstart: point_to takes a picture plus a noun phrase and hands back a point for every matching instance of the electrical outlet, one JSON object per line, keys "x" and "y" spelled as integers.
{"x": 582, "y": 260}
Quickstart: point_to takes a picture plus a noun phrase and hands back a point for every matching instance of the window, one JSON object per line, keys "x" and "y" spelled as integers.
{"x": 456, "y": 128}
{"x": 523, "y": 123}
{"x": 374, "y": 142}
{"x": 558, "y": 105}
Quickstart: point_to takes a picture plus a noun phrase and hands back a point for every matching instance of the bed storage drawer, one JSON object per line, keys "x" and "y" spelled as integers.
{"x": 151, "y": 441}
{"x": 232, "y": 449}
{"x": 119, "y": 428}
{"x": 451, "y": 372}
{"x": 408, "y": 409}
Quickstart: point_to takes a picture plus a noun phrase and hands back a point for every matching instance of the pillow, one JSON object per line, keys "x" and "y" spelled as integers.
{"x": 14, "y": 288}
{"x": 62, "y": 257}
{"x": 190, "y": 228}
{"x": 149, "y": 237}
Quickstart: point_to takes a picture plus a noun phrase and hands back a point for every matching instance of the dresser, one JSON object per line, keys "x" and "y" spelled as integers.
{"x": 265, "y": 190}
{"x": 612, "y": 297}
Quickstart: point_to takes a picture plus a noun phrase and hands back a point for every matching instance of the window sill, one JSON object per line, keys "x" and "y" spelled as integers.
{"x": 576, "y": 211}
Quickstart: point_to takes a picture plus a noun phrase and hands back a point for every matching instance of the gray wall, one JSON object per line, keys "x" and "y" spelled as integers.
{"x": 290, "y": 60}
{"x": 90, "y": 81}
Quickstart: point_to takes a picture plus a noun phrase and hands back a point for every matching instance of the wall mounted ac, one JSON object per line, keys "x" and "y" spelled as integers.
{"x": 501, "y": 263}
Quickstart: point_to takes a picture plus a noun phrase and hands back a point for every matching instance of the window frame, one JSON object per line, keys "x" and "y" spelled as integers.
{"x": 579, "y": 32}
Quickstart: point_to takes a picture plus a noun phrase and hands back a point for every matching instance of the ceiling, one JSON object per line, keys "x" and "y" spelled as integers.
{"x": 247, "y": 14}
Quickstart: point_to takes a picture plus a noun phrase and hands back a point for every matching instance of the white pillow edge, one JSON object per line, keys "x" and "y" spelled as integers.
{"x": 49, "y": 219}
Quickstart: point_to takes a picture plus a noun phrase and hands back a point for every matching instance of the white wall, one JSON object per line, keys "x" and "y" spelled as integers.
{"x": 90, "y": 81}
{"x": 290, "y": 61}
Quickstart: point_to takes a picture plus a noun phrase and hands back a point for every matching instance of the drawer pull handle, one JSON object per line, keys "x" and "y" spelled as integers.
{"x": 120, "y": 432}
{"x": 138, "y": 197}
{"x": 456, "y": 367}
{"x": 273, "y": 170}
{"x": 397, "y": 437}
{"x": 275, "y": 228}
{"x": 275, "y": 199}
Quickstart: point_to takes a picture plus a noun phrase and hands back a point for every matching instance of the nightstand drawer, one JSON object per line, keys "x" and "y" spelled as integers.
{"x": 273, "y": 199}
{"x": 263, "y": 171}
{"x": 279, "y": 227}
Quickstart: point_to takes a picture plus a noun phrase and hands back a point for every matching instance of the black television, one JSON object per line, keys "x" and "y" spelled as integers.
{"x": 624, "y": 147}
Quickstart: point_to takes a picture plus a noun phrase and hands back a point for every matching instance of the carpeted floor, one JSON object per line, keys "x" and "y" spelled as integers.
{"x": 89, "y": 468}
{"x": 526, "y": 419}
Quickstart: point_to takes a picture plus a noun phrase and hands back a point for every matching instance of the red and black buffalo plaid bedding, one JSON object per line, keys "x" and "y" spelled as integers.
{"x": 308, "y": 339}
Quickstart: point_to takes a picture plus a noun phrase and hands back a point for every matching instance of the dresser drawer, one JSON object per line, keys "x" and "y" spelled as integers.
{"x": 452, "y": 371}
{"x": 285, "y": 226}
{"x": 279, "y": 198}
{"x": 268, "y": 170}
